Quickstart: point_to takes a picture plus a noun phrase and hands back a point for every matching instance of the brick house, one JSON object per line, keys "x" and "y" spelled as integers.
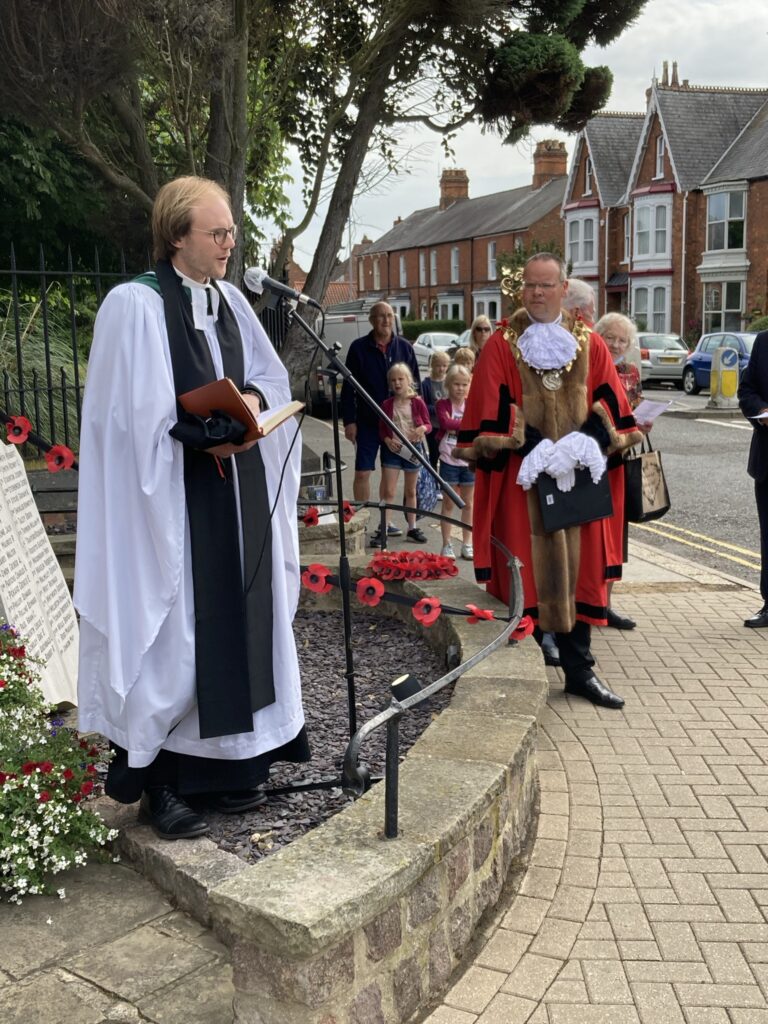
{"x": 683, "y": 246}
{"x": 441, "y": 262}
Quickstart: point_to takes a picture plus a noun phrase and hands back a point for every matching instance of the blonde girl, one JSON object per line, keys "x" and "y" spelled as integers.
{"x": 454, "y": 471}
{"x": 408, "y": 411}
{"x": 432, "y": 390}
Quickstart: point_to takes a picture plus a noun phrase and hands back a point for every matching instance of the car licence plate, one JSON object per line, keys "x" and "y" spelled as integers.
{"x": 669, "y": 359}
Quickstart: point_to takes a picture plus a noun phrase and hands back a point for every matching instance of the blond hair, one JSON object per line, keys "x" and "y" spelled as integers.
{"x": 172, "y": 211}
{"x": 480, "y": 321}
{"x": 438, "y": 354}
{"x": 405, "y": 369}
{"x": 465, "y": 357}
{"x": 455, "y": 371}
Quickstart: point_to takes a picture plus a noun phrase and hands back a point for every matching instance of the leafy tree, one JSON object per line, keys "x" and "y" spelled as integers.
{"x": 147, "y": 89}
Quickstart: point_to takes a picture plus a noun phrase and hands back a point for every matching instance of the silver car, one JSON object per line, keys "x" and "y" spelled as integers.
{"x": 662, "y": 357}
{"x": 426, "y": 344}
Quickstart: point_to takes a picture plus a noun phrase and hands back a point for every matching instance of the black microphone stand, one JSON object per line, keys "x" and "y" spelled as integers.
{"x": 333, "y": 371}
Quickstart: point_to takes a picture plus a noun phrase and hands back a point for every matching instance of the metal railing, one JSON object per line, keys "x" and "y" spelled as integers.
{"x": 46, "y": 328}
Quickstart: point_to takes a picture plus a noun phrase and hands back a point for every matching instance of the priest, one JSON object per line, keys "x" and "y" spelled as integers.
{"x": 186, "y": 575}
{"x": 545, "y": 398}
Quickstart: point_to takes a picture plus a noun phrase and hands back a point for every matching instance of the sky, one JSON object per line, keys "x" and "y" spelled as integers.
{"x": 715, "y": 42}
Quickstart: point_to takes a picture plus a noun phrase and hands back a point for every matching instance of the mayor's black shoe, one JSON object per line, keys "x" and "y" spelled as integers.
{"x": 759, "y": 621}
{"x": 169, "y": 816}
{"x": 550, "y": 650}
{"x": 616, "y": 621}
{"x": 239, "y": 802}
{"x": 596, "y": 691}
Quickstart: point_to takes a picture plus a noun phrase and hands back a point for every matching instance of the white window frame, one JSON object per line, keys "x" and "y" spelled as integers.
{"x": 361, "y": 275}
{"x": 422, "y": 270}
{"x": 714, "y": 318}
{"x": 727, "y": 220}
{"x": 627, "y": 237}
{"x": 403, "y": 273}
{"x": 376, "y": 274}
{"x": 582, "y": 238}
{"x": 651, "y": 301}
{"x": 661, "y": 148}
{"x": 455, "y": 264}
{"x": 491, "y": 261}
{"x": 433, "y": 266}
{"x": 651, "y": 227}
{"x": 588, "y": 175}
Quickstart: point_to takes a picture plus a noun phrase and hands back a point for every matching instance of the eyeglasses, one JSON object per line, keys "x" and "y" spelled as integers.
{"x": 219, "y": 235}
{"x": 488, "y": 329}
{"x": 532, "y": 286}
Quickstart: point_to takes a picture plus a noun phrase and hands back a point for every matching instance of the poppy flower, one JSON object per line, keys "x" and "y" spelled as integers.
{"x": 59, "y": 457}
{"x": 311, "y": 517}
{"x": 86, "y": 788}
{"x": 2, "y": 683}
{"x": 427, "y": 610}
{"x": 45, "y": 767}
{"x": 17, "y": 429}
{"x": 76, "y": 798}
{"x": 349, "y": 511}
{"x": 3, "y": 777}
{"x": 523, "y": 629}
{"x": 44, "y": 797}
{"x": 369, "y": 590}
{"x": 478, "y": 614}
{"x": 315, "y": 578}
{"x": 67, "y": 774}
{"x": 29, "y": 767}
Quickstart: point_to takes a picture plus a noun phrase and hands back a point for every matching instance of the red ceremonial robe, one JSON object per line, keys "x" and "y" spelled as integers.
{"x": 564, "y": 573}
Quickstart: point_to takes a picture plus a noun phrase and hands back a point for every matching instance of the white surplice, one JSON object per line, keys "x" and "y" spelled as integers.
{"x": 133, "y": 573}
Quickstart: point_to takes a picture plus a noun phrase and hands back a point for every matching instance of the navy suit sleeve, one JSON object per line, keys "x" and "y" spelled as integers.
{"x": 753, "y": 389}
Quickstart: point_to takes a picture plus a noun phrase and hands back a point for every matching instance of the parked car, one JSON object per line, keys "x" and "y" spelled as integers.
{"x": 699, "y": 363}
{"x": 426, "y": 344}
{"x": 662, "y": 357}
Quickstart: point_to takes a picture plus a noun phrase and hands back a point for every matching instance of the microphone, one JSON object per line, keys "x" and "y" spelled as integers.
{"x": 257, "y": 280}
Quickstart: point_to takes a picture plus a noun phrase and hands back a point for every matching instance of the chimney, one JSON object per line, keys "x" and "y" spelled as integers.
{"x": 675, "y": 79}
{"x": 398, "y": 220}
{"x": 454, "y": 185}
{"x": 665, "y": 75}
{"x": 550, "y": 160}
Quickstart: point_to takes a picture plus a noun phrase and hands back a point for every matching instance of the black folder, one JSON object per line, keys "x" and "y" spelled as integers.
{"x": 585, "y": 502}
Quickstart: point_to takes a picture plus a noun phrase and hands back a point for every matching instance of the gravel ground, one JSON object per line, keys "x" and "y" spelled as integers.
{"x": 382, "y": 647}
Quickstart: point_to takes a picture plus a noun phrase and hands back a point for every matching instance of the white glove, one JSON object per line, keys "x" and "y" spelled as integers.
{"x": 534, "y": 463}
{"x": 572, "y": 451}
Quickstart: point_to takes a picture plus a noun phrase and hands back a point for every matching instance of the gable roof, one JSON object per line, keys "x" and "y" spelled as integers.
{"x": 612, "y": 140}
{"x": 500, "y": 212}
{"x": 700, "y": 124}
{"x": 747, "y": 157}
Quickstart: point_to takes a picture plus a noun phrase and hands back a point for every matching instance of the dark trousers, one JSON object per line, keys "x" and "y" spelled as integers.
{"x": 761, "y": 497}
{"x": 576, "y": 658}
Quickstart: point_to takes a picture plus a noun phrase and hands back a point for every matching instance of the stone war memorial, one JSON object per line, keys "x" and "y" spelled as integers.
{"x": 34, "y": 596}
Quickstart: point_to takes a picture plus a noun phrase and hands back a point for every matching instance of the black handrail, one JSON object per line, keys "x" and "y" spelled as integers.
{"x": 355, "y": 777}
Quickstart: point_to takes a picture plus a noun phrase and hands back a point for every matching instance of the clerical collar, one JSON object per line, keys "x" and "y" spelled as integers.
{"x": 204, "y": 299}
{"x": 547, "y": 346}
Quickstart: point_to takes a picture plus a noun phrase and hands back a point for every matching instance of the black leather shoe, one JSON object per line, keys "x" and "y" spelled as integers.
{"x": 759, "y": 621}
{"x": 549, "y": 650}
{"x": 619, "y": 621}
{"x": 169, "y": 816}
{"x": 596, "y": 691}
{"x": 237, "y": 803}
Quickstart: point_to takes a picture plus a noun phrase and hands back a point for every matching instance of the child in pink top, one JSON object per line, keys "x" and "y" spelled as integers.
{"x": 410, "y": 413}
{"x": 455, "y": 471}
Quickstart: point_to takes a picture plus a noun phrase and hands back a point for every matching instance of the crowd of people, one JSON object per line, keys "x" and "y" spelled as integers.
{"x": 187, "y": 571}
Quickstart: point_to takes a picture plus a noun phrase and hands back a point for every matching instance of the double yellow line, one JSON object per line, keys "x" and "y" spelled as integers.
{"x": 711, "y": 545}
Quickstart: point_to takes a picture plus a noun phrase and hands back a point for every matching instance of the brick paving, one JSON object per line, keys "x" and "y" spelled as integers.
{"x": 645, "y": 898}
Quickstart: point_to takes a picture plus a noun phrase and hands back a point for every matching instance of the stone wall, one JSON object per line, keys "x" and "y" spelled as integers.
{"x": 347, "y": 927}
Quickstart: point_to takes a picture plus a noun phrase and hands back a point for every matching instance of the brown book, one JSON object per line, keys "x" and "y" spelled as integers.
{"x": 224, "y": 396}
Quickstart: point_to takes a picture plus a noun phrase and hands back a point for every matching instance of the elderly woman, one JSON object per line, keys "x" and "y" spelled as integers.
{"x": 479, "y": 332}
{"x": 620, "y": 335}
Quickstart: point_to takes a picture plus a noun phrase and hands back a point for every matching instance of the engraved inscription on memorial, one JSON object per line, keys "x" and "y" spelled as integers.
{"x": 33, "y": 592}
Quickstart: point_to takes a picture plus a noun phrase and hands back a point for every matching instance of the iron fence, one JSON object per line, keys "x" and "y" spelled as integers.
{"x": 46, "y": 328}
